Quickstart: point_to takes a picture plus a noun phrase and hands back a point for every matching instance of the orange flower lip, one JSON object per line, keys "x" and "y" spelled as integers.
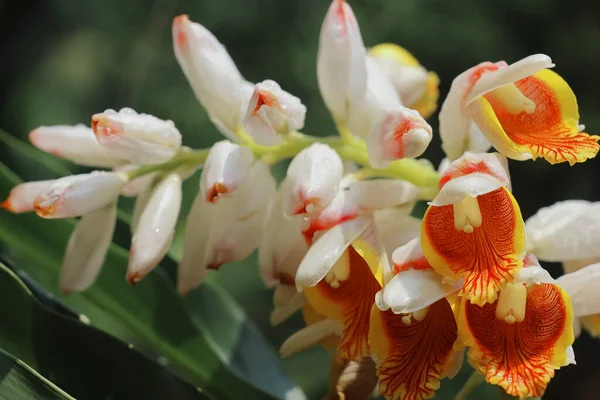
{"x": 487, "y": 254}
{"x": 349, "y": 302}
{"x": 521, "y": 356}
{"x": 412, "y": 358}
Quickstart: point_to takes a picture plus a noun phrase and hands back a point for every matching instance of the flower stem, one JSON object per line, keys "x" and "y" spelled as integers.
{"x": 191, "y": 158}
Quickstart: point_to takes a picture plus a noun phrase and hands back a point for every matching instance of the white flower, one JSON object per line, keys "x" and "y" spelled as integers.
{"x": 87, "y": 248}
{"x": 21, "y": 197}
{"x": 224, "y": 170}
{"x": 313, "y": 175}
{"x": 75, "y": 195}
{"x": 137, "y": 138}
{"x": 341, "y": 69}
{"x": 75, "y": 143}
{"x": 273, "y": 112}
{"x": 154, "y": 230}
{"x": 212, "y": 74}
{"x": 226, "y": 231}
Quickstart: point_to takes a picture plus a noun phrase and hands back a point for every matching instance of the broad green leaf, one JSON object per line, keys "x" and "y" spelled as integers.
{"x": 82, "y": 360}
{"x": 19, "y": 381}
{"x": 151, "y": 312}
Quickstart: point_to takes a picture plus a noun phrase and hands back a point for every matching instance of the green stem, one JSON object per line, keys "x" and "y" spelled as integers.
{"x": 195, "y": 157}
{"x": 472, "y": 383}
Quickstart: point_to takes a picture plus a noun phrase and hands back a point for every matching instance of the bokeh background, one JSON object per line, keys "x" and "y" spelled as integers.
{"x": 63, "y": 60}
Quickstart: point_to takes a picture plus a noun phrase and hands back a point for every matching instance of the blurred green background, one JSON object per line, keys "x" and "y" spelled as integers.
{"x": 64, "y": 60}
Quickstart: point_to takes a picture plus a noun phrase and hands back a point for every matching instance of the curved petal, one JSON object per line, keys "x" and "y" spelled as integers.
{"x": 591, "y": 323}
{"x": 488, "y": 255}
{"x": 396, "y": 227}
{"x": 21, "y": 197}
{"x": 376, "y": 194}
{"x": 582, "y": 286}
{"x": 308, "y": 337}
{"x": 411, "y": 359}
{"x": 346, "y": 297}
{"x": 473, "y": 185}
{"x": 327, "y": 250}
{"x": 520, "y": 357}
{"x": 493, "y": 164}
{"x": 509, "y": 74}
{"x": 567, "y": 230}
{"x": 550, "y": 130}
{"x": 286, "y": 310}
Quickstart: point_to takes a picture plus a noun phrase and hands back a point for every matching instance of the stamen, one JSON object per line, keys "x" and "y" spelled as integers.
{"x": 511, "y": 303}
{"x": 467, "y": 215}
{"x": 338, "y": 273}
{"x": 418, "y": 316}
{"x": 513, "y": 100}
{"x": 407, "y": 319}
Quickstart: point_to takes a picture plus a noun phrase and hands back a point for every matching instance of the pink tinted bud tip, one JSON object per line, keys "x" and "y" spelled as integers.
{"x": 179, "y": 31}
{"x": 7, "y": 205}
{"x": 264, "y": 98}
{"x": 104, "y": 126}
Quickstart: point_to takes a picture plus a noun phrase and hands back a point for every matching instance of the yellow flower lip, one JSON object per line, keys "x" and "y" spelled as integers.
{"x": 515, "y": 353}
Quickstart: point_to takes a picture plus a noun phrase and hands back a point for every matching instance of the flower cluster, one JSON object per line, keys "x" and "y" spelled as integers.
{"x": 336, "y": 237}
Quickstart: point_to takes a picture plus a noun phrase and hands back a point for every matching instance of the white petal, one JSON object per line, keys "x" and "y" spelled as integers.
{"x": 582, "y": 287}
{"x": 521, "y": 69}
{"x": 473, "y": 185}
{"x": 408, "y": 253}
{"x": 533, "y": 274}
{"x": 309, "y": 337}
{"x": 493, "y": 164}
{"x": 567, "y": 230}
{"x": 75, "y": 195}
{"x": 398, "y": 133}
{"x": 376, "y": 194}
{"x": 135, "y": 186}
{"x": 570, "y": 356}
{"x": 192, "y": 267}
{"x": 224, "y": 170}
{"x": 138, "y": 208}
{"x": 155, "y": 228}
{"x": 273, "y": 112}
{"x": 413, "y": 290}
{"x": 326, "y": 251}
{"x": 138, "y": 138}
{"x": 87, "y": 248}
{"x": 314, "y": 175}
{"x": 282, "y": 247}
{"x": 75, "y": 143}
{"x": 284, "y": 311}
{"x": 379, "y": 96}
{"x": 341, "y": 68}
{"x": 21, "y": 197}
{"x": 396, "y": 227}
{"x": 212, "y": 74}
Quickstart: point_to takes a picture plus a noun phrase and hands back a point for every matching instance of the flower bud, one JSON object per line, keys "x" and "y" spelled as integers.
{"x": 74, "y": 143}
{"x": 135, "y": 186}
{"x": 341, "y": 70}
{"x": 21, "y": 197}
{"x": 154, "y": 230}
{"x": 314, "y": 175}
{"x": 273, "y": 112}
{"x": 138, "y": 138}
{"x": 212, "y": 74}
{"x": 224, "y": 170}
{"x": 401, "y": 133}
{"x": 75, "y": 195}
{"x": 417, "y": 88}
{"x": 87, "y": 248}
{"x": 226, "y": 231}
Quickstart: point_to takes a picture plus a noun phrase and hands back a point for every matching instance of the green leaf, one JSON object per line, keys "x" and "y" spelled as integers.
{"x": 209, "y": 315}
{"x": 19, "y": 381}
{"x": 151, "y": 312}
{"x": 83, "y": 360}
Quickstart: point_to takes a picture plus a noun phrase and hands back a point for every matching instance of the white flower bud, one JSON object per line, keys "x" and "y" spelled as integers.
{"x": 74, "y": 143}
{"x": 273, "y": 112}
{"x": 87, "y": 248}
{"x": 212, "y": 74}
{"x": 138, "y": 138}
{"x": 135, "y": 186}
{"x": 154, "y": 230}
{"x": 314, "y": 175}
{"x": 341, "y": 69}
{"x": 225, "y": 169}
{"x": 75, "y": 195}
{"x": 21, "y": 197}
{"x": 400, "y": 133}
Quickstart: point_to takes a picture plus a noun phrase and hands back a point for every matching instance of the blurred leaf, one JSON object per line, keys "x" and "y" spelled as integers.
{"x": 83, "y": 360}
{"x": 150, "y": 312}
{"x": 222, "y": 330}
{"x": 19, "y": 381}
